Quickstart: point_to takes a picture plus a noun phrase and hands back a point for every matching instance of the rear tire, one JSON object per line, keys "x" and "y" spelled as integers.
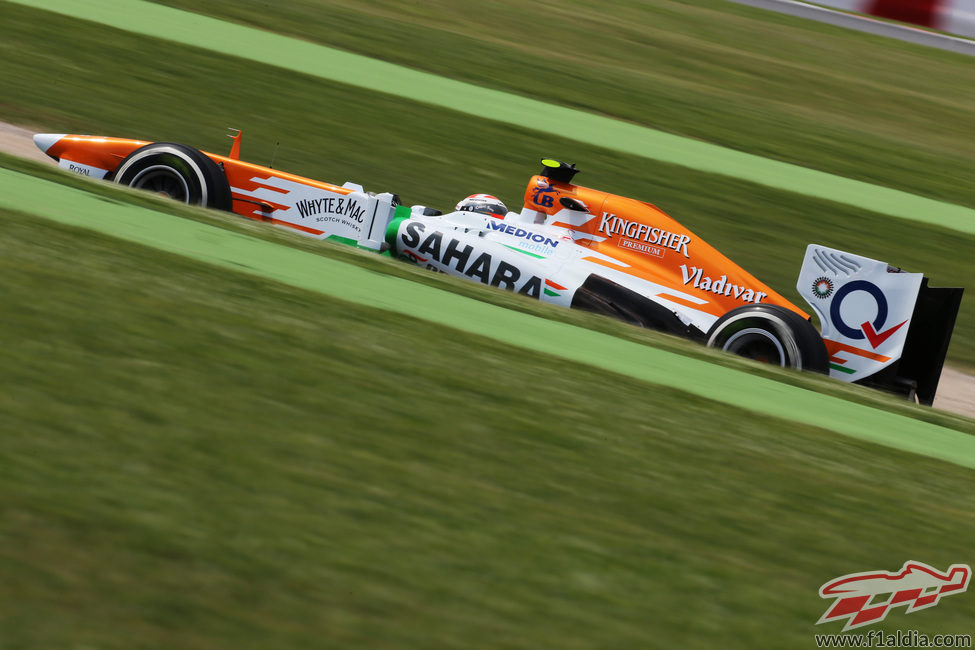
{"x": 771, "y": 334}
{"x": 176, "y": 171}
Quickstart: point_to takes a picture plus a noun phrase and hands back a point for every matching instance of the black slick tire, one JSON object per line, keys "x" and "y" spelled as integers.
{"x": 179, "y": 172}
{"x": 771, "y": 334}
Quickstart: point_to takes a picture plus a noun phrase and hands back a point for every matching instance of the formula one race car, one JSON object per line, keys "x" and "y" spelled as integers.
{"x": 583, "y": 248}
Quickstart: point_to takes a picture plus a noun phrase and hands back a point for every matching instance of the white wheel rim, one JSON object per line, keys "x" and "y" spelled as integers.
{"x": 147, "y": 173}
{"x": 152, "y": 150}
{"x": 763, "y": 334}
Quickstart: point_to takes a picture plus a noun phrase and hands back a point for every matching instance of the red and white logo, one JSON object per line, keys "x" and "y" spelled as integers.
{"x": 916, "y": 585}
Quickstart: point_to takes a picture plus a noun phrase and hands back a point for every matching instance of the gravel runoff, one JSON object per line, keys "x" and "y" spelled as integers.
{"x": 956, "y": 391}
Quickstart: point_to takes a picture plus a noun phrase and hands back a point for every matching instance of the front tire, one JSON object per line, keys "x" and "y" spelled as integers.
{"x": 771, "y": 334}
{"x": 178, "y": 172}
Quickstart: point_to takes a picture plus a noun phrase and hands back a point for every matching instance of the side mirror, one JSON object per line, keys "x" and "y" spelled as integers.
{"x": 573, "y": 204}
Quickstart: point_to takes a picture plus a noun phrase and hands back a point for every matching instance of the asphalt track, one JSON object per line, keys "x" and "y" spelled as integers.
{"x": 335, "y": 65}
{"x": 866, "y": 24}
{"x": 240, "y": 253}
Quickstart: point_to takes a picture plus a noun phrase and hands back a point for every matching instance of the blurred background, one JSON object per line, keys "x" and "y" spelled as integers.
{"x": 197, "y": 458}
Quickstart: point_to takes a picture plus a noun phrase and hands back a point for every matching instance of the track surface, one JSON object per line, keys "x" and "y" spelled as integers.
{"x": 866, "y": 24}
{"x": 308, "y": 271}
{"x": 336, "y": 65}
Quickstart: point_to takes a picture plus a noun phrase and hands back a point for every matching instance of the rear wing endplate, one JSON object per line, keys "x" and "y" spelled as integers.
{"x": 883, "y": 327}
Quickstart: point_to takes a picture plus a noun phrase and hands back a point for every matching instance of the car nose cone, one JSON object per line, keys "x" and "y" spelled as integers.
{"x": 45, "y": 141}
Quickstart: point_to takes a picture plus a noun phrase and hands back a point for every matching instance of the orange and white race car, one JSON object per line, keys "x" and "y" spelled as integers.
{"x": 581, "y": 248}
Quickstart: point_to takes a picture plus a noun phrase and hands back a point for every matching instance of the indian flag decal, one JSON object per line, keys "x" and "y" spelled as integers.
{"x": 838, "y": 363}
{"x": 556, "y": 287}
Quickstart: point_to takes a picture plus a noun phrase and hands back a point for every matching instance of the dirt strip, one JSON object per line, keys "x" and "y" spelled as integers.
{"x": 19, "y": 141}
{"x": 956, "y": 392}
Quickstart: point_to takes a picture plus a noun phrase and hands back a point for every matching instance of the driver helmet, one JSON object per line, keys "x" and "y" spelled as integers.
{"x": 483, "y": 203}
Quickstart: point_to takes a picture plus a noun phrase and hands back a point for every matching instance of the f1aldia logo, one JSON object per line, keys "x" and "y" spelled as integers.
{"x": 872, "y": 331}
{"x": 865, "y": 598}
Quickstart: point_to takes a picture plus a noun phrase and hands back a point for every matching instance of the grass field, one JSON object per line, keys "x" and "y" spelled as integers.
{"x": 203, "y": 480}
{"x": 901, "y": 116}
{"x": 197, "y": 458}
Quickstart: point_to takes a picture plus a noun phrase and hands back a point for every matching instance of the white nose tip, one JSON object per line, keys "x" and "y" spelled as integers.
{"x": 45, "y": 141}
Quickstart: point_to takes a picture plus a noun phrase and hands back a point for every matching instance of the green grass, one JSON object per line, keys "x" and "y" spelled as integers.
{"x": 91, "y": 83}
{"x": 337, "y": 66}
{"x": 196, "y": 458}
{"x": 782, "y": 87}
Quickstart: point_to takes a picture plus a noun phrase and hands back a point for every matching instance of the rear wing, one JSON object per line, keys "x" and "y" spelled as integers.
{"x": 883, "y": 327}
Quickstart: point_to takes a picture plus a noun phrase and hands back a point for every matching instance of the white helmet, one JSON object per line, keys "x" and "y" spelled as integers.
{"x": 483, "y": 203}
